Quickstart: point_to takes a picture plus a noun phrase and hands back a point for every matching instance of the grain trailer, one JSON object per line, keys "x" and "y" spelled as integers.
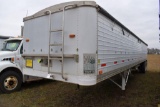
{"x": 80, "y": 42}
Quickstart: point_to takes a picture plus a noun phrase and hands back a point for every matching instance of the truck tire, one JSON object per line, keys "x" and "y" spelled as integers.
{"x": 143, "y": 67}
{"x": 10, "y": 81}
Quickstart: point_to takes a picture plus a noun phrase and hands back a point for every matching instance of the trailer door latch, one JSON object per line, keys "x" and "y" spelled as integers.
{"x": 76, "y": 58}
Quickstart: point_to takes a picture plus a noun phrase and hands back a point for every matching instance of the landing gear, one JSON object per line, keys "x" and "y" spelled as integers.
{"x": 124, "y": 76}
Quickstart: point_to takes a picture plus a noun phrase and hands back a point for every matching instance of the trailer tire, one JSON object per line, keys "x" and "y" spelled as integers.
{"x": 143, "y": 67}
{"x": 10, "y": 81}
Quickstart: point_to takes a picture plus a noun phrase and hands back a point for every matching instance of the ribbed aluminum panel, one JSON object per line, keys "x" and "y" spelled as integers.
{"x": 116, "y": 47}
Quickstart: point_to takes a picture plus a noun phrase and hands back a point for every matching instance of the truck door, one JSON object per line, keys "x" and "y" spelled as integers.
{"x": 19, "y": 56}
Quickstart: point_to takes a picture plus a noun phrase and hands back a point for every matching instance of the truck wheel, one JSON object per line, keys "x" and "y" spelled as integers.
{"x": 143, "y": 67}
{"x": 10, "y": 81}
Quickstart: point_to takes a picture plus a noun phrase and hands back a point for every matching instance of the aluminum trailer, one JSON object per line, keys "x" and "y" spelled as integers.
{"x": 80, "y": 42}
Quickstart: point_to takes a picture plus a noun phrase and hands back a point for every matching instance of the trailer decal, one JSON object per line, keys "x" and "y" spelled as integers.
{"x": 89, "y": 63}
{"x": 99, "y": 61}
{"x": 29, "y": 63}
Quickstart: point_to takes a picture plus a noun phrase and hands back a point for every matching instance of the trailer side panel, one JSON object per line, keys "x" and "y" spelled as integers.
{"x": 117, "y": 48}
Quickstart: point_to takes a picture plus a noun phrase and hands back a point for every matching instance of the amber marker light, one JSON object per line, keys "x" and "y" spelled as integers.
{"x": 72, "y": 35}
{"x": 27, "y": 40}
{"x": 100, "y": 72}
{"x": 12, "y": 59}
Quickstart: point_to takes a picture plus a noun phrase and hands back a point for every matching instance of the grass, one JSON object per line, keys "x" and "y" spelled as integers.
{"x": 142, "y": 90}
{"x": 154, "y": 63}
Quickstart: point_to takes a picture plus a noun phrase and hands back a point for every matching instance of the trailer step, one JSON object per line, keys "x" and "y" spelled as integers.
{"x": 57, "y": 30}
{"x": 55, "y": 44}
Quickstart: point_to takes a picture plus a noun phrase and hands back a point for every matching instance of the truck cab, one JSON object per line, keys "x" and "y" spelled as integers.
{"x": 11, "y": 75}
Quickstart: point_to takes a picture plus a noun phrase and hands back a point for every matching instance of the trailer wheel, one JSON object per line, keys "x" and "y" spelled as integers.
{"x": 143, "y": 67}
{"x": 10, "y": 81}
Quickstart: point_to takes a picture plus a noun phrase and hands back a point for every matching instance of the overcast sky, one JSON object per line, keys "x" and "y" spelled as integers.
{"x": 140, "y": 16}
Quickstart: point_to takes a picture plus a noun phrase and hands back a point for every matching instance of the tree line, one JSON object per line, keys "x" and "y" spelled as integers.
{"x": 153, "y": 51}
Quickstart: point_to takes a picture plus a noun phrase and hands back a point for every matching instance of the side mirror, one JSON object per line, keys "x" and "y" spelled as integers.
{"x": 21, "y": 50}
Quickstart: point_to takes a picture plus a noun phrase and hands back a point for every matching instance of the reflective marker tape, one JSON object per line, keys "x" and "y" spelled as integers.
{"x": 102, "y": 65}
{"x": 115, "y": 62}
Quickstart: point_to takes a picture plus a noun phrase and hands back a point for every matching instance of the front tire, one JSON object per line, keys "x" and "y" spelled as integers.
{"x": 10, "y": 81}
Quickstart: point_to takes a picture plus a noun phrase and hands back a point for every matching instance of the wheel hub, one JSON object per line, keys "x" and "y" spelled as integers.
{"x": 10, "y": 83}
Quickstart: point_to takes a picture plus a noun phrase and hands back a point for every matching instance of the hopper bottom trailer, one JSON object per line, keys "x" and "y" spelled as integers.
{"x": 80, "y": 42}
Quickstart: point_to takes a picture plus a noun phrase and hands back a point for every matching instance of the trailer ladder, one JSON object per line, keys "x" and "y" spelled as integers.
{"x": 61, "y": 56}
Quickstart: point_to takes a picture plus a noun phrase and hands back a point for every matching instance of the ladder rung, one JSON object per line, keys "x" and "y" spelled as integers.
{"x": 56, "y": 58}
{"x": 55, "y": 44}
{"x": 58, "y": 30}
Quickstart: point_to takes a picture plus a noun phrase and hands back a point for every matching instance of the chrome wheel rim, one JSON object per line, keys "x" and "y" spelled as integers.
{"x": 10, "y": 83}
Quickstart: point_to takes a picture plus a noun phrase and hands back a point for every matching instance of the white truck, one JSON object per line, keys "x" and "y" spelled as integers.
{"x": 77, "y": 42}
{"x": 11, "y": 65}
